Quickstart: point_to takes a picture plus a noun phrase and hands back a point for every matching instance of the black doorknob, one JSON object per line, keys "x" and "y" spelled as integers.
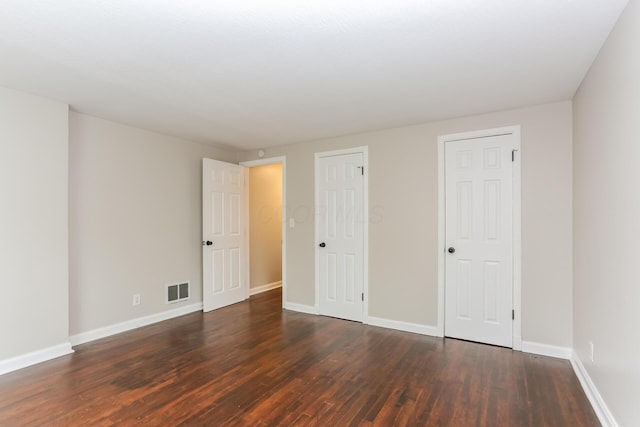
{"x": 322, "y": 245}
{"x": 451, "y": 250}
{"x": 208, "y": 243}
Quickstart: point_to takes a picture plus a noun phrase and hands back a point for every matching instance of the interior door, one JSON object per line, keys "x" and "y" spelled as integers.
{"x": 340, "y": 232}
{"x": 224, "y": 249}
{"x": 479, "y": 239}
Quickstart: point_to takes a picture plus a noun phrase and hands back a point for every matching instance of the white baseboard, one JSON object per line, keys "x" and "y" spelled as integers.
{"x": 301, "y": 308}
{"x": 404, "y": 326}
{"x": 546, "y": 350}
{"x": 35, "y": 357}
{"x": 107, "y": 331}
{"x": 597, "y": 402}
{"x": 265, "y": 288}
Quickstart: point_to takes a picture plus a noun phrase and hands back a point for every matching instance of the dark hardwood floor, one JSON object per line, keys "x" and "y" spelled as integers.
{"x": 253, "y": 364}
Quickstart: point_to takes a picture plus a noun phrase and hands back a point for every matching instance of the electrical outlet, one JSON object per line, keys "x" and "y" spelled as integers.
{"x": 591, "y": 351}
{"x": 136, "y": 299}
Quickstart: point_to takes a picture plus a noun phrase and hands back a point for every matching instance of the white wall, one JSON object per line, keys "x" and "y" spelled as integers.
{"x": 33, "y": 224}
{"x": 607, "y": 219}
{"x": 265, "y": 224}
{"x": 135, "y": 220}
{"x": 404, "y": 209}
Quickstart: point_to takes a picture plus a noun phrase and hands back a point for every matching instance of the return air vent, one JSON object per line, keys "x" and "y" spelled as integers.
{"x": 178, "y": 292}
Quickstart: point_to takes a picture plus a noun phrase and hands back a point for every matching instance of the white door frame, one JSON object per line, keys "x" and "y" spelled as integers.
{"x": 365, "y": 201}
{"x": 263, "y": 162}
{"x": 517, "y": 225}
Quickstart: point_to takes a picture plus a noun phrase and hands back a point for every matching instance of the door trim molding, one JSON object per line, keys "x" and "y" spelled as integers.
{"x": 263, "y": 162}
{"x": 517, "y": 224}
{"x": 365, "y": 201}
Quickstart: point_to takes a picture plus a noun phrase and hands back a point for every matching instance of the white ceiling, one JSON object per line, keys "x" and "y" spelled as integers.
{"x": 256, "y": 73}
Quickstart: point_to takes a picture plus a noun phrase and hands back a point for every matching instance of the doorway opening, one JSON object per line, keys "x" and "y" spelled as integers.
{"x": 266, "y": 234}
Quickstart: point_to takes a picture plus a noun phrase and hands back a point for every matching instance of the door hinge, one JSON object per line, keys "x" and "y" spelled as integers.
{"x": 513, "y": 315}
{"x": 363, "y": 296}
{"x": 513, "y": 155}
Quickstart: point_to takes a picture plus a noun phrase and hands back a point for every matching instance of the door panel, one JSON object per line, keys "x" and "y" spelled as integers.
{"x": 223, "y": 222}
{"x": 479, "y": 226}
{"x": 340, "y": 225}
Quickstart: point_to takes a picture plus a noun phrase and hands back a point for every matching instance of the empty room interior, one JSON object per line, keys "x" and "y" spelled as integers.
{"x": 319, "y": 213}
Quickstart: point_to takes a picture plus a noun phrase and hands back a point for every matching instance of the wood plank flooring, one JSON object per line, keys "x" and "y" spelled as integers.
{"x": 253, "y": 364}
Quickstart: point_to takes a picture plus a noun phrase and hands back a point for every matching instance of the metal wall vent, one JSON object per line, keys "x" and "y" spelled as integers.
{"x": 178, "y": 292}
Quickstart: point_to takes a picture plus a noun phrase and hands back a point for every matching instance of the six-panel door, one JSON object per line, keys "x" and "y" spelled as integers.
{"x": 479, "y": 239}
{"x": 223, "y": 198}
{"x": 340, "y": 225}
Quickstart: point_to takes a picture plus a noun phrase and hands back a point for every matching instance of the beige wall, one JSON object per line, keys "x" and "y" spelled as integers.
{"x": 403, "y": 201}
{"x": 265, "y": 207}
{"x": 607, "y": 219}
{"x": 135, "y": 220}
{"x": 33, "y": 223}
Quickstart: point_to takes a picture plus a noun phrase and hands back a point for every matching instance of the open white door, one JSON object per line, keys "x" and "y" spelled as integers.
{"x": 223, "y": 234}
{"x": 479, "y": 239}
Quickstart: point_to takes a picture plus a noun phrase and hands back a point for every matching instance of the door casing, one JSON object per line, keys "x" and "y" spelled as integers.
{"x": 365, "y": 201}
{"x": 517, "y": 225}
